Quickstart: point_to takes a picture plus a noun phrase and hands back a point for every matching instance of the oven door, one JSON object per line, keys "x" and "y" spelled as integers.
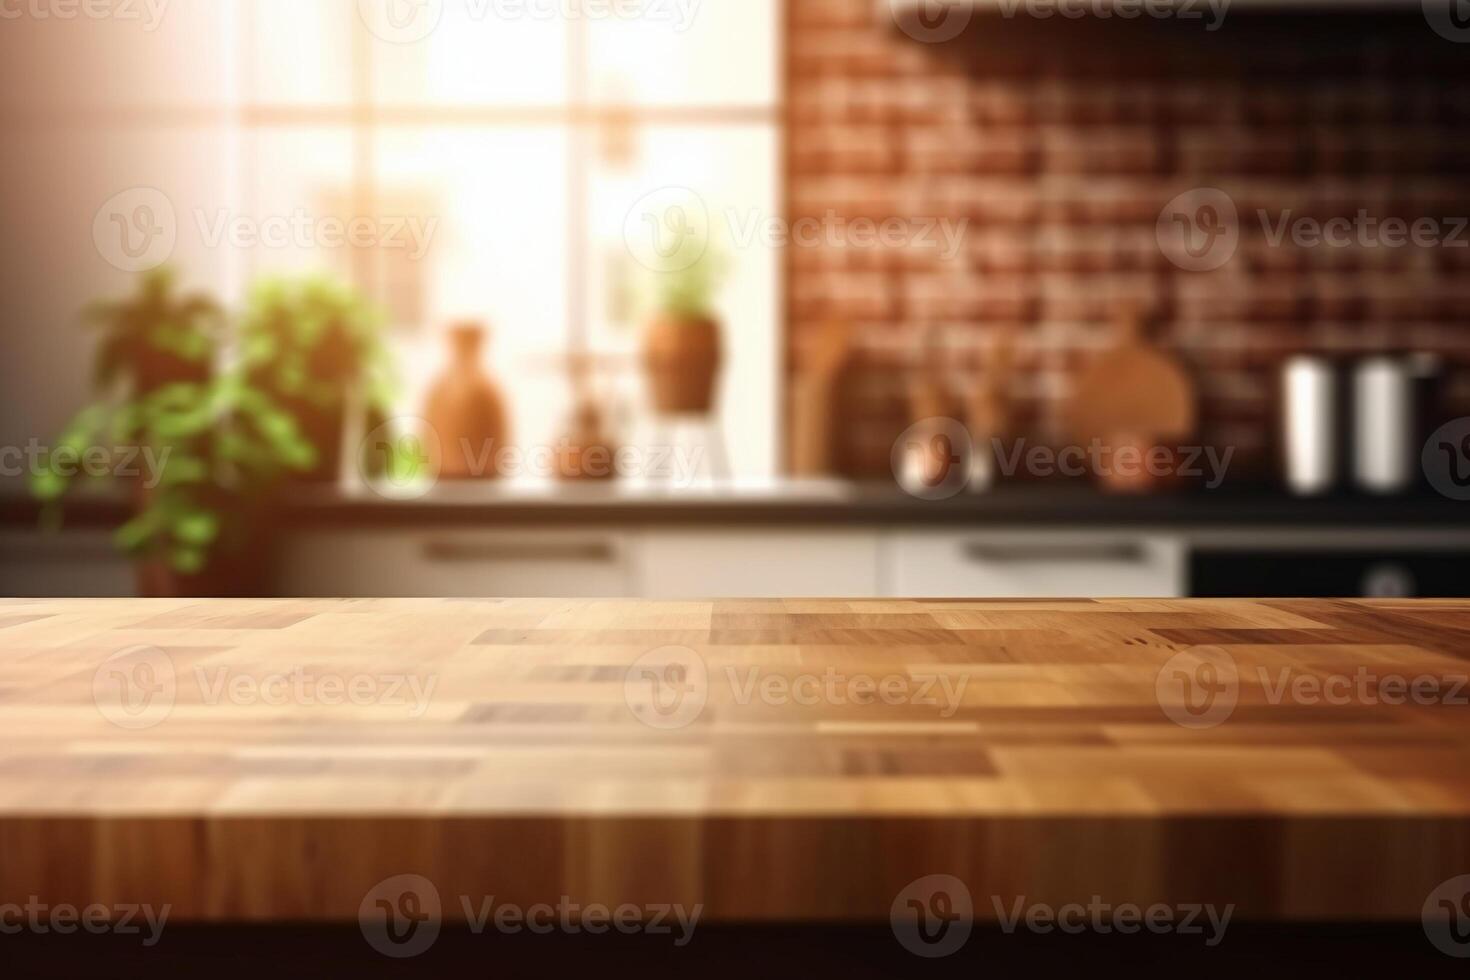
{"x": 1315, "y": 574}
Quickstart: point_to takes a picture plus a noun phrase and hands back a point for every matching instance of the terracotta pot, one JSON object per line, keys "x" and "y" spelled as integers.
{"x": 239, "y": 565}
{"x": 682, "y": 359}
{"x": 467, "y": 411}
{"x": 241, "y": 576}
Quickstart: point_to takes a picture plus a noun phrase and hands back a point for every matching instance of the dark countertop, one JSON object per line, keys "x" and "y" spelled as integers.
{"x": 811, "y": 504}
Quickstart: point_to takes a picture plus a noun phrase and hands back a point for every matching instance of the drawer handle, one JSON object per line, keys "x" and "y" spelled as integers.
{"x": 456, "y": 552}
{"x": 1001, "y": 554}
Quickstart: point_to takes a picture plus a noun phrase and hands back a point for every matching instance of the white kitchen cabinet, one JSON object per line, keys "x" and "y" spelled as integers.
{"x": 1033, "y": 564}
{"x": 705, "y": 563}
{"x": 760, "y": 562}
{"x": 458, "y": 563}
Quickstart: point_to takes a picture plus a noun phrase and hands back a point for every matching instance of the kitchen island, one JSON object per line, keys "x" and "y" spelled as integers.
{"x": 769, "y": 760}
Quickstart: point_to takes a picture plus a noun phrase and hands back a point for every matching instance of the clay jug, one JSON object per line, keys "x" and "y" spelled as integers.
{"x": 467, "y": 411}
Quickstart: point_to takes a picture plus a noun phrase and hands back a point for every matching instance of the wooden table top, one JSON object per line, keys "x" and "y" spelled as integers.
{"x": 791, "y": 759}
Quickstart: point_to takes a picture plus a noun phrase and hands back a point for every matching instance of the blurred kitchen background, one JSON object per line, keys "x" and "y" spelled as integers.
{"x": 765, "y": 294}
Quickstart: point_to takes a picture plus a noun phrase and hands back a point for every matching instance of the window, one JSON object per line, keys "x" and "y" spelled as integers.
{"x": 523, "y": 133}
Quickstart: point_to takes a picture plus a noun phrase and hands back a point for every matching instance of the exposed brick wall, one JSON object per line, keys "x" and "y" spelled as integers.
{"x": 1062, "y": 142}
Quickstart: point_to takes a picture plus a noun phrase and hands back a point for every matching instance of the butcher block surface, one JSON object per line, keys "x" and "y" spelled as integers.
{"x": 767, "y": 759}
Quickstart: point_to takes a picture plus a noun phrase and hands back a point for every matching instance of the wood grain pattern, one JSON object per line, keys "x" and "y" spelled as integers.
{"x": 1054, "y": 768}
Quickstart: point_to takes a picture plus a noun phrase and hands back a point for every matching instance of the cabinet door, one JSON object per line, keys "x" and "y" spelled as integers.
{"x": 770, "y": 563}
{"x": 458, "y": 563}
{"x": 1040, "y": 565}
{"x": 73, "y": 564}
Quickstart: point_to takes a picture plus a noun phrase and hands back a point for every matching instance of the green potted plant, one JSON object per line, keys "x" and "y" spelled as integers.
{"x": 310, "y": 345}
{"x": 682, "y": 350}
{"x": 210, "y": 445}
{"x": 155, "y": 338}
{"x": 217, "y": 450}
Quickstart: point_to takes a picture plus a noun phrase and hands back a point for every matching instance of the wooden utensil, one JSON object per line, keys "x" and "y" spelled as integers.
{"x": 813, "y": 394}
{"x": 1133, "y": 396}
{"x": 930, "y": 393}
{"x": 988, "y": 405}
